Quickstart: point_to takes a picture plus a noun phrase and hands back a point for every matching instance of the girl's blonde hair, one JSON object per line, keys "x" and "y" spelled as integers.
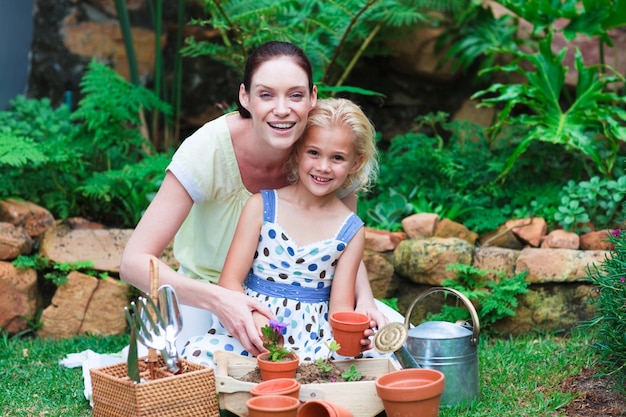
{"x": 332, "y": 112}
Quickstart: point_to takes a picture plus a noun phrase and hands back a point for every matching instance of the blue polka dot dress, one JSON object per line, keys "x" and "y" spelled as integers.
{"x": 294, "y": 281}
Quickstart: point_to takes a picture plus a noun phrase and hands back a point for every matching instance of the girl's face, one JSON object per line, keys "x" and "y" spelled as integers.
{"x": 279, "y": 102}
{"x": 325, "y": 157}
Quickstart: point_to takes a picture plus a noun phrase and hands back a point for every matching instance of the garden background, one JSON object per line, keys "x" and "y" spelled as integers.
{"x": 487, "y": 111}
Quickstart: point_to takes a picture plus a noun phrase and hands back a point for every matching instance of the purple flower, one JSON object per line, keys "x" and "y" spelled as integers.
{"x": 622, "y": 279}
{"x": 277, "y": 326}
{"x": 615, "y": 232}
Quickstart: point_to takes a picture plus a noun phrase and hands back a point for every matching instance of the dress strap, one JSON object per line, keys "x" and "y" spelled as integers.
{"x": 269, "y": 205}
{"x": 349, "y": 229}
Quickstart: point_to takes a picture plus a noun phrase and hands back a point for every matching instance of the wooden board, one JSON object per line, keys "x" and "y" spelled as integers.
{"x": 358, "y": 397}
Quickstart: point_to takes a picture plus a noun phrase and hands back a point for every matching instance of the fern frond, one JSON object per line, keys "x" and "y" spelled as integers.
{"x": 18, "y": 151}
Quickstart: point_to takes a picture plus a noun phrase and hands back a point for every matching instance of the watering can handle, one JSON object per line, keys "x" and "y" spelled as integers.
{"x": 466, "y": 301}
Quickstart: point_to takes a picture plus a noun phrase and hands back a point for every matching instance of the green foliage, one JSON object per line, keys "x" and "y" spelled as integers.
{"x": 450, "y": 173}
{"x": 352, "y": 375}
{"x": 56, "y": 272}
{"x": 495, "y": 299}
{"x": 609, "y": 277}
{"x": 389, "y": 213}
{"x": 92, "y": 163}
{"x": 110, "y": 117}
{"x": 600, "y": 199}
{"x": 333, "y": 34}
{"x": 472, "y": 37}
{"x": 592, "y": 125}
{"x": 323, "y": 364}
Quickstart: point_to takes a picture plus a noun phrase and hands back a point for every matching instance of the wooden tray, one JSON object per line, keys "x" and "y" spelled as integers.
{"x": 358, "y": 397}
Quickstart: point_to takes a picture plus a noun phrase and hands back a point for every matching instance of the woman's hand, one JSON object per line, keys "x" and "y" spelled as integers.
{"x": 235, "y": 312}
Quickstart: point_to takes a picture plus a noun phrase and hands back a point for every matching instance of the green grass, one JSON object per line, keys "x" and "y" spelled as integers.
{"x": 518, "y": 376}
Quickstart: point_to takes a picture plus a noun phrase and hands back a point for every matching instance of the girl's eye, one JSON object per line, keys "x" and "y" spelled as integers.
{"x": 312, "y": 152}
{"x": 338, "y": 158}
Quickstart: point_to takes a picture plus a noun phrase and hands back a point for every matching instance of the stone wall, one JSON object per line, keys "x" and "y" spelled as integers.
{"x": 400, "y": 265}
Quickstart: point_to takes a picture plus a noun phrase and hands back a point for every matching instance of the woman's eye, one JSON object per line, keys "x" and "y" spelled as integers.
{"x": 265, "y": 95}
{"x": 297, "y": 96}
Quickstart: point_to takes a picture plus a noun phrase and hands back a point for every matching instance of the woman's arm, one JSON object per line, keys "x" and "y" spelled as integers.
{"x": 153, "y": 233}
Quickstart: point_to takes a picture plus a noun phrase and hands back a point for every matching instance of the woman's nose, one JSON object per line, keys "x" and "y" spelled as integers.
{"x": 281, "y": 108}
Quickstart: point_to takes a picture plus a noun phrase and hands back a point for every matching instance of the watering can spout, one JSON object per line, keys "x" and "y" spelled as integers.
{"x": 390, "y": 339}
{"x": 405, "y": 358}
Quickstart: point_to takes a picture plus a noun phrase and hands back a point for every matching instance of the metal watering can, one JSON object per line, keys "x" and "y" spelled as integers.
{"x": 447, "y": 347}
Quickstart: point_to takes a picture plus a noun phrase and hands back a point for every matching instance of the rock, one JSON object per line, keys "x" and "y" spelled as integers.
{"x": 103, "y": 247}
{"x": 380, "y": 272}
{"x": 550, "y": 308}
{"x": 415, "y": 55}
{"x": 425, "y": 261}
{"x": 500, "y": 261}
{"x": 14, "y": 241}
{"x": 33, "y": 218}
{"x": 448, "y": 228}
{"x": 420, "y": 225}
{"x": 382, "y": 240}
{"x": 596, "y": 241}
{"x": 502, "y": 238}
{"x": 530, "y": 230}
{"x": 560, "y": 239}
{"x": 557, "y": 265}
{"x": 469, "y": 111}
{"x": 18, "y": 298}
{"x": 86, "y": 304}
{"x": 104, "y": 41}
{"x": 108, "y": 6}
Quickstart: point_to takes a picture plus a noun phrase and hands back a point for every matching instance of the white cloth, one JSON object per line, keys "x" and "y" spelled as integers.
{"x": 88, "y": 359}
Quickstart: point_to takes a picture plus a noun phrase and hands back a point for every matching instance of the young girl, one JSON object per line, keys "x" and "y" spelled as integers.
{"x": 302, "y": 240}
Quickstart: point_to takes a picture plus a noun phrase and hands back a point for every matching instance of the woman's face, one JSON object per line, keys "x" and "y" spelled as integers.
{"x": 279, "y": 102}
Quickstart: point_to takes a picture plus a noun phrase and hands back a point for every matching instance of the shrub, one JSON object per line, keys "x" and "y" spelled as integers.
{"x": 610, "y": 278}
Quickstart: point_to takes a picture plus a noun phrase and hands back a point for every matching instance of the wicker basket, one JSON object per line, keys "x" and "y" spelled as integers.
{"x": 189, "y": 393}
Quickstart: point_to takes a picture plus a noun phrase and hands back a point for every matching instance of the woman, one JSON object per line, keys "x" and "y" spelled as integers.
{"x": 211, "y": 176}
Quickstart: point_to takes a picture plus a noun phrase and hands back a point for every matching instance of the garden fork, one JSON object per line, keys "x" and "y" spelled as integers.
{"x": 151, "y": 330}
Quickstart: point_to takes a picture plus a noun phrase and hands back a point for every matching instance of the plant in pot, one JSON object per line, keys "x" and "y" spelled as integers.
{"x": 279, "y": 361}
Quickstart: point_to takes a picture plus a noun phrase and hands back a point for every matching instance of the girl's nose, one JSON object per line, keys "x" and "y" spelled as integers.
{"x": 323, "y": 165}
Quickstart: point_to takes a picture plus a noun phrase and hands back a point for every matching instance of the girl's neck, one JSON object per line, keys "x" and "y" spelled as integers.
{"x": 302, "y": 197}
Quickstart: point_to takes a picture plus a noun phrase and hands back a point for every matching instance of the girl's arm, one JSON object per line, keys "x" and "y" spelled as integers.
{"x": 363, "y": 291}
{"x": 242, "y": 248}
{"x": 342, "y": 293}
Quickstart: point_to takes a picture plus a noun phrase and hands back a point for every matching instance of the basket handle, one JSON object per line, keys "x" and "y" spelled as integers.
{"x": 464, "y": 299}
{"x": 154, "y": 291}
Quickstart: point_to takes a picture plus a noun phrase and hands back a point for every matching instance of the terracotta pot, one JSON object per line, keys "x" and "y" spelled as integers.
{"x": 284, "y": 369}
{"x": 348, "y": 328}
{"x": 272, "y": 406}
{"x": 321, "y": 408}
{"x": 278, "y": 386}
{"x": 411, "y": 391}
